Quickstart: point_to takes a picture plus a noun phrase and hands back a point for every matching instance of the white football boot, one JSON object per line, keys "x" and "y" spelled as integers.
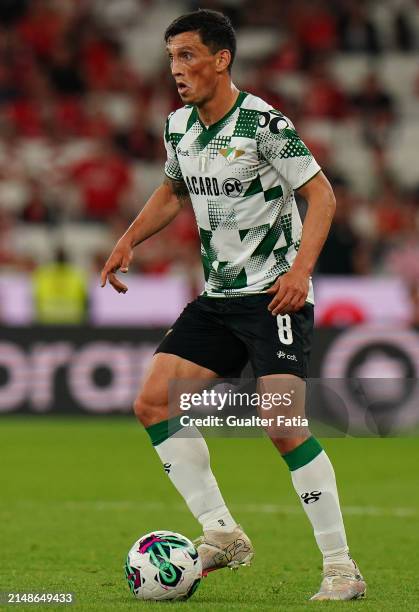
{"x": 341, "y": 582}
{"x": 218, "y": 549}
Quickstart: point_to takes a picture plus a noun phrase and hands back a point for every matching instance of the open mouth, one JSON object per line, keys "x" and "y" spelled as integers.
{"x": 182, "y": 87}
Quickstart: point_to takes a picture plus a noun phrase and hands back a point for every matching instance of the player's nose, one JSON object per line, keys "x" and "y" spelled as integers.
{"x": 176, "y": 68}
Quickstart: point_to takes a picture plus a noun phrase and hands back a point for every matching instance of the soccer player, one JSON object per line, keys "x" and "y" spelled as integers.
{"x": 238, "y": 161}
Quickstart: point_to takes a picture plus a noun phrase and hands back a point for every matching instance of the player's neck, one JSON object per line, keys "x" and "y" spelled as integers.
{"x": 220, "y": 104}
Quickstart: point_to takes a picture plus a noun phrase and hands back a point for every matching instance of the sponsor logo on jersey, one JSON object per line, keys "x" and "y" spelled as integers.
{"x": 289, "y": 356}
{"x": 200, "y": 185}
{"x": 274, "y": 120}
{"x": 232, "y": 187}
{"x": 180, "y": 152}
{"x": 209, "y": 186}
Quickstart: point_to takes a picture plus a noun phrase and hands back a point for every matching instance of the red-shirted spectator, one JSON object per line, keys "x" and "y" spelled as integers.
{"x": 104, "y": 180}
{"x": 323, "y": 97}
{"x": 261, "y": 85}
{"x": 391, "y": 212}
{"x": 287, "y": 58}
{"x": 42, "y": 27}
{"x": 315, "y": 26}
{"x": 98, "y": 61}
{"x": 184, "y": 228}
{"x": 70, "y": 116}
{"x": 177, "y": 243}
{"x": 26, "y": 117}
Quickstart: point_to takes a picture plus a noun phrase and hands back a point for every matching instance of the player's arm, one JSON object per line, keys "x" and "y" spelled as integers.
{"x": 291, "y": 289}
{"x": 161, "y": 208}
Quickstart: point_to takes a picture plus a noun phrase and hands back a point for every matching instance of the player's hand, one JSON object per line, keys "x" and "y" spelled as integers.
{"x": 290, "y": 292}
{"x": 119, "y": 259}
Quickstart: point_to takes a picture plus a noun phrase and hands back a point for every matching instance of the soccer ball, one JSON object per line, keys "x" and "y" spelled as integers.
{"x": 163, "y": 565}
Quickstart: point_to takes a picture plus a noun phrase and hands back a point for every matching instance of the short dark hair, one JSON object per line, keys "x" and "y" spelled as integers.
{"x": 214, "y": 28}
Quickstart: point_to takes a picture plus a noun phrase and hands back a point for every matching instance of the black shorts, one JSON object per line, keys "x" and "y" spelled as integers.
{"x": 223, "y": 334}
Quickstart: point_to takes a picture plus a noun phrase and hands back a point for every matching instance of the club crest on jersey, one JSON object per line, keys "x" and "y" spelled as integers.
{"x": 231, "y": 153}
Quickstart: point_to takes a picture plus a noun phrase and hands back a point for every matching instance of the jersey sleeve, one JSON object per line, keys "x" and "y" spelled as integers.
{"x": 280, "y": 145}
{"x": 171, "y": 167}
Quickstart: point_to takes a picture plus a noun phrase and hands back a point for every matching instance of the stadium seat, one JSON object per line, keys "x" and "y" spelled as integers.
{"x": 292, "y": 85}
{"x": 320, "y": 130}
{"x": 254, "y": 44}
{"x": 85, "y": 240}
{"x": 403, "y": 155}
{"x": 353, "y": 159}
{"x": 35, "y": 242}
{"x": 147, "y": 176}
{"x": 143, "y": 48}
{"x": 351, "y": 70}
{"x": 399, "y": 72}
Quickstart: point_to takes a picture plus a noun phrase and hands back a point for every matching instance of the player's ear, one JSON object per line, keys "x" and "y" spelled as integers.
{"x": 223, "y": 59}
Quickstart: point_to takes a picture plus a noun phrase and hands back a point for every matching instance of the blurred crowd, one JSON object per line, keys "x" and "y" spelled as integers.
{"x": 85, "y": 90}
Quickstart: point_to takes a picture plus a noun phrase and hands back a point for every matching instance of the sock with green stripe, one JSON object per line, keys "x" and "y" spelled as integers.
{"x": 314, "y": 480}
{"x": 186, "y": 461}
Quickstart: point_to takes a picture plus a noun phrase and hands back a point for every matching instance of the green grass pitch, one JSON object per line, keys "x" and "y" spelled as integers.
{"x": 76, "y": 493}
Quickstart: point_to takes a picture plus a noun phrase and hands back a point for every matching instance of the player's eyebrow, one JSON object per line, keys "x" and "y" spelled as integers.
{"x": 181, "y": 49}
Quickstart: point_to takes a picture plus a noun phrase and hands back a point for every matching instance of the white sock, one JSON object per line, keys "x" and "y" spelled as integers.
{"x": 186, "y": 461}
{"x": 315, "y": 484}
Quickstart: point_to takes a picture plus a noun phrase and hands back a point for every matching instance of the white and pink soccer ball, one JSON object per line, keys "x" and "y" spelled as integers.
{"x": 163, "y": 565}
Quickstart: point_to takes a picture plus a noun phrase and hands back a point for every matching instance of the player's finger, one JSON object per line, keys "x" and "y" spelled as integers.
{"x": 285, "y": 308}
{"x": 292, "y": 307}
{"x": 119, "y": 287}
{"x": 273, "y": 303}
{"x": 300, "y": 304}
{"x": 116, "y": 283}
{"x": 298, "y": 301}
{"x": 126, "y": 260}
{"x": 104, "y": 276}
{"x": 277, "y": 298}
{"x": 294, "y": 303}
{"x": 282, "y": 305}
{"x": 274, "y": 287}
{"x": 280, "y": 310}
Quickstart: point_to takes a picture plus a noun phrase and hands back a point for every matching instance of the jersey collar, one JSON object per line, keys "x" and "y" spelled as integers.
{"x": 214, "y": 127}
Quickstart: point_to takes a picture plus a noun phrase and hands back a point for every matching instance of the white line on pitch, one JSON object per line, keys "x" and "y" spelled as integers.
{"x": 398, "y": 512}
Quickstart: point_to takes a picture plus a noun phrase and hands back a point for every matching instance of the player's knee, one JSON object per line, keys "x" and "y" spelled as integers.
{"x": 143, "y": 409}
{"x": 148, "y": 411}
{"x": 286, "y": 445}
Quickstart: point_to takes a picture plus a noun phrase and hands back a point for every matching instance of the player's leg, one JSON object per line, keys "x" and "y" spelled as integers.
{"x": 311, "y": 471}
{"x": 184, "y": 453}
{"x": 314, "y": 481}
{"x": 193, "y": 350}
{"x": 279, "y": 355}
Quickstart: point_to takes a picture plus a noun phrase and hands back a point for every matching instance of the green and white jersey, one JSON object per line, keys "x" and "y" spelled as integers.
{"x": 241, "y": 173}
